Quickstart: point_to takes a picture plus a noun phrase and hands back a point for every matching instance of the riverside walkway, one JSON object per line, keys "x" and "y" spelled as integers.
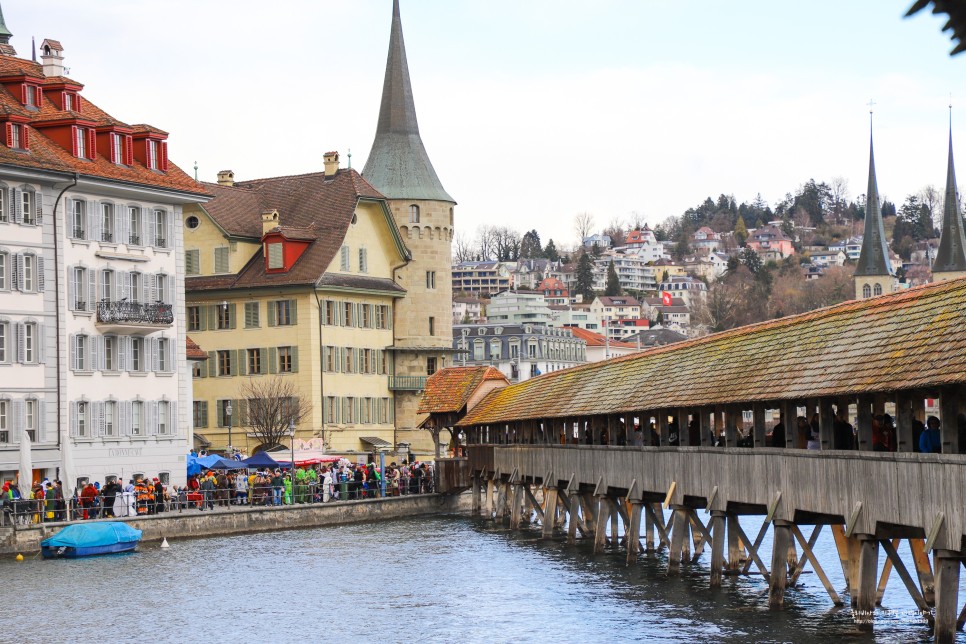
{"x": 572, "y": 434}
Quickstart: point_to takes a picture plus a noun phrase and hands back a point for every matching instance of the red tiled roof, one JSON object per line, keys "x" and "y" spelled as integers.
{"x": 193, "y": 351}
{"x": 448, "y": 390}
{"x": 46, "y": 154}
{"x": 908, "y": 340}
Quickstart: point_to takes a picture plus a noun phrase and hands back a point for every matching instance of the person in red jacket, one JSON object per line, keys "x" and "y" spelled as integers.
{"x": 88, "y": 498}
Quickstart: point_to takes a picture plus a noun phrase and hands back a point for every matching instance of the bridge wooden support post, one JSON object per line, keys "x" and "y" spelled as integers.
{"x": 781, "y": 536}
{"x": 868, "y": 575}
{"x": 826, "y": 423}
{"x": 603, "y": 514}
{"x": 549, "y": 511}
{"x": 927, "y": 582}
{"x": 947, "y": 595}
{"x": 662, "y": 424}
{"x": 717, "y": 546}
{"x": 573, "y": 518}
{"x": 735, "y": 548}
{"x": 648, "y": 532}
{"x": 632, "y": 531}
{"x": 705, "y": 425}
{"x": 614, "y": 532}
{"x": 516, "y": 505}
{"x": 949, "y": 409}
{"x": 588, "y": 508}
{"x": 679, "y": 536}
{"x": 847, "y": 548}
{"x": 477, "y": 496}
{"x": 863, "y": 422}
{"x": 904, "y": 418}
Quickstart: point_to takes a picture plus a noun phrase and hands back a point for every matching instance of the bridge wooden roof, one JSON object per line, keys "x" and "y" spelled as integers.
{"x": 913, "y": 339}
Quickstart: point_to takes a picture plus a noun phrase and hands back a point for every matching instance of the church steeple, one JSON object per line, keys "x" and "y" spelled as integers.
{"x": 874, "y": 258}
{"x": 398, "y": 165}
{"x": 951, "y": 255}
{"x": 873, "y": 274}
{"x": 6, "y": 48}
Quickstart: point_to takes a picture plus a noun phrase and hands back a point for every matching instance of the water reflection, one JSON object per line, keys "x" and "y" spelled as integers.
{"x": 432, "y": 579}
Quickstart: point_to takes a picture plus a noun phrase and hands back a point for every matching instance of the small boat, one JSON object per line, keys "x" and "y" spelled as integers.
{"x": 89, "y": 539}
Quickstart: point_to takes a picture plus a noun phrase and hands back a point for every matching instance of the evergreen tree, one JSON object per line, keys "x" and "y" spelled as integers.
{"x": 530, "y": 245}
{"x": 585, "y": 278}
{"x": 613, "y": 283}
{"x": 741, "y": 231}
{"x": 550, "y": 252}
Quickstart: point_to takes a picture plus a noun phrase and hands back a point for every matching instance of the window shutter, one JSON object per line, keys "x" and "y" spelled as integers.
{"x": 152, "y": 420}
{"x": 73, "y": 419}
{"x": 152, "y": 288}
{"x": 272, "y": 360}
{"x": 123, "y": 224}
{"x": 19, "y": 419}
{"x": 73, "y": 140}
{"x": 19, "y": 271}
{"x": 21, "y": 342}
{"x": 243, "y": 413}
{"x": 9, "y": 134}
{"x": 231, "y": 316}
{"x": 263, "y": 361}
{"x": 243, "y": 366}
{"x": 91, "y": 289}
{"x": 93, "y": 222}
{"x": 235, "y": 358}
{"x": 41, "y": 421}
{"x": 294, "y": 307}
{"x": 125, "y": 278}
{"x": 271, "y": 314}
{"x": 16, "y": 204}
{"x": 155, "y": 355}
{"x": 96, "y": 352}
{"x": 378, "y": 359}
{"x": 124, "y": 418}
{"x": 41, "y": 278}
{"x": 91, "y": 143}
{"x": 147, "y": 224}
{"x": 25, "y": 144}
{"x": 128, "y": 150}
{"x": 173, "y": 421}
{"x": 14, "y": 271}
{"x": 169, "y": 229}
{"x": 295, "y": 359}
{"x": 71, "y": 289}
{"x": 73, "y": 351}
{"x": 101, "y": 419}
{"x": 41, "y": 344}
{"x": 123, "y": 344}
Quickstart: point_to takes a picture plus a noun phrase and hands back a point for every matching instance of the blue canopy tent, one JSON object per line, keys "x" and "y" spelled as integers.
{"x": 193, "y": 467}
{"x": 262, "y": 459}
{"x": 227, "y": 464}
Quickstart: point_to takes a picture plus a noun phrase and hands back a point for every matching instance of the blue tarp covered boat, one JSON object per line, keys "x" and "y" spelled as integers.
{"x": 87, "y": 539}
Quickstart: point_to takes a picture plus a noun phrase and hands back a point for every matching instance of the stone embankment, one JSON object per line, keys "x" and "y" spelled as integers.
{"x": 241, "y": 520}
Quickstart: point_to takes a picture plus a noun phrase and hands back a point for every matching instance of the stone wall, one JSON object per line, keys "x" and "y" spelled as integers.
{"x": 191, "y": 523}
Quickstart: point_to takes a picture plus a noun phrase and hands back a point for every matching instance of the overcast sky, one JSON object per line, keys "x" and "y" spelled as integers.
{"x": 533, "y": 110}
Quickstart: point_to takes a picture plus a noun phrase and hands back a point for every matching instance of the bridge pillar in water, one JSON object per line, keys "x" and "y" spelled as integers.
{"x": 679, "y": 535}
{"x": 947, "y": 595}
{"x": 632, "y": 532}
{"x": 717, "y": 546}
{"x": 781, "y": 538}
{"x": 549, "y": 511}
{"x": 867, "y": 578}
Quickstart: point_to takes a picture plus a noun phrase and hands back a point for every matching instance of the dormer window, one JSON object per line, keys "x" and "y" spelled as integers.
{"x": 68, "y": 102}
{"x": 30, "y": 93}
{"x": 117, "y": 147}
{"x": 152, "y": 155}
{"x": 83, "y": 142}
{"x": 276, "y": 257}
{"x": 16, "y": 136}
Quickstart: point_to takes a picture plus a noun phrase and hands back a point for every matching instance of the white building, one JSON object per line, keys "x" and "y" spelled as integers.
{"x": 92, "y": 346}
{"x": 519, "y": 351}
{"x": 518, "y": 307}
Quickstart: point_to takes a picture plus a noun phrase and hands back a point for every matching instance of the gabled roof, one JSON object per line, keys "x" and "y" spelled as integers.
{"x": 398, "y": 164}
{"x": 45, "y": 154}
{"x": 318, "y": 207}
{"x": 906, "y": 340}
{"x": 448, "y": 390}
{"x": 618, "y": 300}
{"x": 193, "y": 351}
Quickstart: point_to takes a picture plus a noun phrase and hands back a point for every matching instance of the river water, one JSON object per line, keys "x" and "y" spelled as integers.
{"x": 438, "y": 579}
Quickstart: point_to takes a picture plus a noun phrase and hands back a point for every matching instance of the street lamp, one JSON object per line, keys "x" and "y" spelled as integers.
{"x": 228, "y": 411}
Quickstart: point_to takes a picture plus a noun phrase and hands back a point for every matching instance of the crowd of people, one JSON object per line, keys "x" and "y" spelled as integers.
{"x": 342, "y": 480}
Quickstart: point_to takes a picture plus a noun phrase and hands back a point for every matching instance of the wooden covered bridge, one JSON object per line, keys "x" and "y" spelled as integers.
{"x": 579, "y": 440}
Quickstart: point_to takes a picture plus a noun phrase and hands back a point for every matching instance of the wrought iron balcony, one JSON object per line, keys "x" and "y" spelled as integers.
{"x": 79, "y": 233}
{"x": 407, "y": 383}
{"x": 125, "y": 313}
{"x": 161, "y": 242}
{"x": 134, "y": 240}
{"x": 107, "y": 236}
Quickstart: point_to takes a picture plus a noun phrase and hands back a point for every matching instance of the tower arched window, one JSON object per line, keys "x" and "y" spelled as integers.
{"x": 866, "y": 291}
{"x": 877, "y": 290}
{"x": 414, "y": 214}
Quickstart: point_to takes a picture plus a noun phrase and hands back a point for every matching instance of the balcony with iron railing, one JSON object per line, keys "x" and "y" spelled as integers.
{"x": 407, "y": 383}
{"x": 141, "y": 315}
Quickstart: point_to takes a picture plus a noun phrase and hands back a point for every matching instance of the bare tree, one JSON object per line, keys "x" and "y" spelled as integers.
{"x": 617, "y": 231}
{"x": 839, "y": 191}
{"x": 932, "y": 198}
{"x": 485, "y": 241}
{"x": 462, "y": 249}
{"x": 583, "y": 225}
{"x": 637, "y": 220}
{"x": 272, "y": 404}
{"x": 506, "y": 242}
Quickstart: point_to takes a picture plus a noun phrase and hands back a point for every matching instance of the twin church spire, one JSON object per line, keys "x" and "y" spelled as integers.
{"x": 874, "y": 274}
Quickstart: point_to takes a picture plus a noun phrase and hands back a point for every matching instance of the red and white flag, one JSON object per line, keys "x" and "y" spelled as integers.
{"x": 666, "y": 298}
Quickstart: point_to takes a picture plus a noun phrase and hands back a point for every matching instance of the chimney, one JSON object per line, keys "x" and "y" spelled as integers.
{"x": 331, "y": 160}
{"x": 269, "y": 220}
{"x": 51, "y": 54}
{"x": 226, "y": 178}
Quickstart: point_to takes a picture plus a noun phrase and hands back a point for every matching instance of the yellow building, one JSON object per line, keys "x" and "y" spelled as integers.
{"x": 290, "y": 282}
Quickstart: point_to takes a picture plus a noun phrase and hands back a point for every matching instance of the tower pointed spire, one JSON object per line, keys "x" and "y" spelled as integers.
{"x": 5, "y": 34}
{"x": 951, "y": 255}
{"x": 398, "y": 165}
{"x": 874, "y": 258}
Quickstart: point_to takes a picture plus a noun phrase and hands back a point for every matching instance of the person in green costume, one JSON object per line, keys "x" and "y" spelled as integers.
{"x": 288, "y": 489}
